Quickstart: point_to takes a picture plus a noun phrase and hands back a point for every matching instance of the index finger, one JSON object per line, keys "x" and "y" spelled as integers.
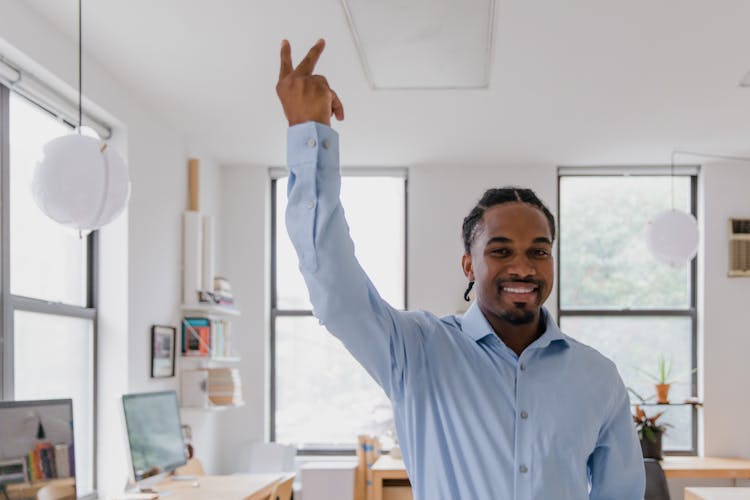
{"x": 286, "y": 59}
{"x": 307, "y": 65}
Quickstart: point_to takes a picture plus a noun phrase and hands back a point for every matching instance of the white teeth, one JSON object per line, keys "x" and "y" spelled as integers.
{"x": 518, "y": 290}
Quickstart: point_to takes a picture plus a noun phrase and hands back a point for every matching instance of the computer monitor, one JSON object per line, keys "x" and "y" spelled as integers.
{"x": 36, "y": 445}
{"x": 154, "y": 431}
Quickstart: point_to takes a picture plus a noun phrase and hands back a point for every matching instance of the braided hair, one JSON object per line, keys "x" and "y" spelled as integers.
{"x": 498, "y": 196}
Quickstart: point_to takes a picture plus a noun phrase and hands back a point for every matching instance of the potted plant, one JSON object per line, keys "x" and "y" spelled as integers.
{"x": 663, "y": 379}
{"x": 662, "y": 382}
{"x": 649, "y": 432}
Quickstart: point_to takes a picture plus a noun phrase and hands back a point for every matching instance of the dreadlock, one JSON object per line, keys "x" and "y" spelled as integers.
{"x": 498, "y": 196}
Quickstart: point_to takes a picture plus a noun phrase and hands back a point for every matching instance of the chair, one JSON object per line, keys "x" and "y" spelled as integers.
{"x": 283, "y": 489}
{"x": 56, "y": 492}
{"x": 262, "y": 458}
{"x": 656, "y": 481}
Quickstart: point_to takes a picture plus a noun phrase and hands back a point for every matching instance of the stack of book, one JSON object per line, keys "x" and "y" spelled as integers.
{"x": 222, "y": 293}
{"x": 224, "y": 386}
{"x": 206, "y": 337}
{"x": 48, "y": 461}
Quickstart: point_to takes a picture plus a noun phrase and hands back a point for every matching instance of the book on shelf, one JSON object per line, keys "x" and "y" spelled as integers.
{"x": 48, "y": 461}
{"x": 62, "y": 460}
{"x": 196, "y": 336}
{"x": 211, "y": 386}
{"x": 224, "y": 386}
{"x": 222, "y": 284}
{"x": 216, "y": 298}
{"x": 206, "y": 337}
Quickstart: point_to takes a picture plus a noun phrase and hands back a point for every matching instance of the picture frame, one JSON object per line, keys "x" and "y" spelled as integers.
{"x": 163, "y": 351}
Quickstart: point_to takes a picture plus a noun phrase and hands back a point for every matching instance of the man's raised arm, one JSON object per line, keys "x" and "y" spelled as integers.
{"x": 343, "y": 298}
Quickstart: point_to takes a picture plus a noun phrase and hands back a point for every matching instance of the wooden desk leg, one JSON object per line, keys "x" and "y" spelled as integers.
{"x": 377, "y": 487}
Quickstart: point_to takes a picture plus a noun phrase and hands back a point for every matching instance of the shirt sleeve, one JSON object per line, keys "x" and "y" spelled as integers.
{"x": 343, "y": 298}
{"x": 616, "y": 466}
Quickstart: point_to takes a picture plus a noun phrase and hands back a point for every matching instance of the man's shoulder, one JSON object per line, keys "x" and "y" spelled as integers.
{"x": 591, "y": 357}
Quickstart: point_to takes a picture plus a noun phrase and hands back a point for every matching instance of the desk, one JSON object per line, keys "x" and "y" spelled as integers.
{"x": 20, "y": 491}
{"x": 387, "y": 470}
{"x": 717, "y": 493}
{"x": 706, "y": 468}
{"x": 389, "y": 474}
{"x": 232, "y": 487}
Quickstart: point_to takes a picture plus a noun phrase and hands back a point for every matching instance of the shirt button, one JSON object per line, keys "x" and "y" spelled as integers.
{"x": 524, "y": 415}
{"x": 325, "y": 144}
{"x": 522, "y": 367}
{"x": 311, "y": 142}
{"x": 310, "y": 204}
{"x": 523, "y": 469}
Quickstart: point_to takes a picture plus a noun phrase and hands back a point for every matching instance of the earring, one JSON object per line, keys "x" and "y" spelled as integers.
{"x": 468, "y": 289}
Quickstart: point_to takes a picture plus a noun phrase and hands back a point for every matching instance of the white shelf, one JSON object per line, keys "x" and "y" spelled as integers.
{"x": 210, "y": 309}
{"x": 213, "y": 407}
{"x": 209, "y": 361}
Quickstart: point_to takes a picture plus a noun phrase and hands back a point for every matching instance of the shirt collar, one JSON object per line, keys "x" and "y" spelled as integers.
{"x": 476, "y": 326}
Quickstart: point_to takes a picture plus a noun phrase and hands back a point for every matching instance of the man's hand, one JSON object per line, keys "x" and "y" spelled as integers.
{"x": 306, "y": 97}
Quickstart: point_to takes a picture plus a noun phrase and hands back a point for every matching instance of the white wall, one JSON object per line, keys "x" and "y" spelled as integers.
{"x": 726, "y": 317}
{"x": 140, "y": 273}
{"x": 724, "y": 321}
{"x": 245, "y": 229}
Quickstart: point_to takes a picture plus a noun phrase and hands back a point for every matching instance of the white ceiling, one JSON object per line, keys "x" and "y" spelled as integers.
{"x": 574, "y": 82}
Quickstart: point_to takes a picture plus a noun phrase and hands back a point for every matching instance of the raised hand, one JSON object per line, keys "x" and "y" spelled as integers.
{"x": 304, "y": 96}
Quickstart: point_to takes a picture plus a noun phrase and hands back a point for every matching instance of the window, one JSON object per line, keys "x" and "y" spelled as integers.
{"x": 615, "y": 297}
{"x": 321, "y": 397}
{"x": 48, "y": 286}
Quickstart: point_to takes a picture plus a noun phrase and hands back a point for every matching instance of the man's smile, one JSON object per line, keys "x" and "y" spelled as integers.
{"x": 519, "y": 291}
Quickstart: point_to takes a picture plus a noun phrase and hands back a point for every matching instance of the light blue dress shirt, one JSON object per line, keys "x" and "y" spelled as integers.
{"x": 474, "y": 420}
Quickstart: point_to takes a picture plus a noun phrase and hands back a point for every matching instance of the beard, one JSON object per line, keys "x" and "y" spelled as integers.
{"x": 519, "y": 316}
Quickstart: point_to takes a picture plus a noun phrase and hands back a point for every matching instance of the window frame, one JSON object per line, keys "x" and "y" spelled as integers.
{"x": 10, "y": 303}
{"x": 276, "y": 173}
{"x": 690, "y": 312}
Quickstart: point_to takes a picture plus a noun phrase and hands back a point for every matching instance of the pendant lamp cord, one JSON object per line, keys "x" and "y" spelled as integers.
{"x": 80, "y": 70}
{"x": 671, "y": 175}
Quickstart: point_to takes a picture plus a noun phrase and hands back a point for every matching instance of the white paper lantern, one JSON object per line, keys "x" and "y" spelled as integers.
{"x": 80, "y": 182}
{"x": 672, "y": 237}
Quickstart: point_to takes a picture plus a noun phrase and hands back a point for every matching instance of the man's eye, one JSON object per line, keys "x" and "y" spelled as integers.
{"x": 540, "y": 253}
{"x": 500, "y": 251}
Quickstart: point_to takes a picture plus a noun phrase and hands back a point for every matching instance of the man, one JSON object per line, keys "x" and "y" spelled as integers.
{"x": 496, "y": 404}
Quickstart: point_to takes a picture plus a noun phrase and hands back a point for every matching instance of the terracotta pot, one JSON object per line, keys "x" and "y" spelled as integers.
{"x": 662, "y": 393}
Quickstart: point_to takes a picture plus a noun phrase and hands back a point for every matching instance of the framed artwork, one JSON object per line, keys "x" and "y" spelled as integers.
{"x": 162, "y": 351}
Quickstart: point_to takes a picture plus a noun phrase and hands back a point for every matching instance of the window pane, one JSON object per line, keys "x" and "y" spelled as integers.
{"x": 47, "y": 261}
{"x": 604, "y": 262}
{"x": 375, "y": 212}
{"x": 53, "y": 359}
{"x": 323, "y": 396}
{"x": 635, "y": 344}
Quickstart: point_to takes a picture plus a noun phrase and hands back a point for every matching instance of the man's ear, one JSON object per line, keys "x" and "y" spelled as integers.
{"x": 467, "y": 266}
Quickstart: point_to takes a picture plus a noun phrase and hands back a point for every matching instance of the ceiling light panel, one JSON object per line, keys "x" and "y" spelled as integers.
{"x": 423, "y": 44}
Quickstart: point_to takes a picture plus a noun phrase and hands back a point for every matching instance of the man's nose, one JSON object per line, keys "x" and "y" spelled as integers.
{"x": 522, "y": 266}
